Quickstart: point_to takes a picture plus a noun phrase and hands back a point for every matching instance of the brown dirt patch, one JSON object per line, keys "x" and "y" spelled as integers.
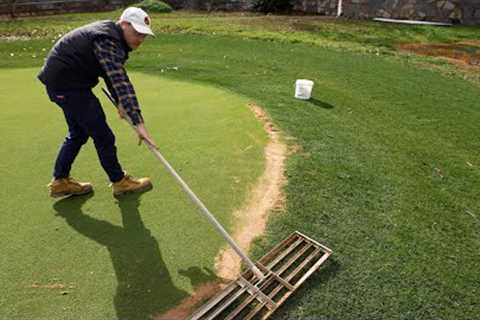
{"x": 14, "y": 38}
{"x": 48, "y": 286}
{"x": 185, "y": 308}
{"x": 466, "y": 52}
{"x": 251, "y": 220}
{"x": 266, "y": 195}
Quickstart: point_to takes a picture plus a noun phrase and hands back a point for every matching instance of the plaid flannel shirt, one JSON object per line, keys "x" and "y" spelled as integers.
{"x": 111, "y": 59}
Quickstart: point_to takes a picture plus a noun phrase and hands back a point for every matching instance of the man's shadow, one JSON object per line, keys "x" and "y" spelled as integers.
{"x": 144, "y": 284}
{"x": 199, "y": 276}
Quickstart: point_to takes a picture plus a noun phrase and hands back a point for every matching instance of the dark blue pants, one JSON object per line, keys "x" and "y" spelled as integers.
{"x": 85, "y": 118}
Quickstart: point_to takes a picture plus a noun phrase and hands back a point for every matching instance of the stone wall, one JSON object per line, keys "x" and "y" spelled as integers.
{"x": 211, "y": 5}
{"x": 457, "y": 11}
{"x": 435, "y": 10}
{"x": 321, "y": 7}
{"x": 35, "y": 7}
{"x": 470, "y": 11}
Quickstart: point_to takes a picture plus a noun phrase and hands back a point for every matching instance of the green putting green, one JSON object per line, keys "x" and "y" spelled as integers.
{"x": 134, "y": 257}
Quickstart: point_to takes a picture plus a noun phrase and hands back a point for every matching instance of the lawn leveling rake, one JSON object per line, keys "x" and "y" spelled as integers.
{"x": 266, "y": 284}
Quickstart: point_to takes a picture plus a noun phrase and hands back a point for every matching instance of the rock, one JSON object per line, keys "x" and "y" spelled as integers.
{"x": 421, "y": 15}
{"x": 456, "y": 14}
{"x": 476, "y": 15}
{"x": 448, "y": 5}
{"x": 384, "y": 13}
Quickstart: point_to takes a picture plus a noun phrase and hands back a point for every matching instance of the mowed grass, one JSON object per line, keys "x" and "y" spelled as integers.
{"x": 102, "y": 258}
{"x": 386, "y": 171}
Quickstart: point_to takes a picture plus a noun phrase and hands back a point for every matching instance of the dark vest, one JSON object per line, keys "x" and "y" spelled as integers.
{"x": 71, "y": 64}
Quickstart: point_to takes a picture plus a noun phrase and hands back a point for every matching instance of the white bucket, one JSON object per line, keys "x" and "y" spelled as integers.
{"x": 303, "y": 89}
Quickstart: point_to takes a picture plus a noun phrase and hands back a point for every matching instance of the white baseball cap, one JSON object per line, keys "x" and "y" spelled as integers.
{"x": 139, "y": 20}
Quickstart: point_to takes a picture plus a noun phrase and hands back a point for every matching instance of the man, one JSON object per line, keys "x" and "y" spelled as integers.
{"x": 71, "y": 70}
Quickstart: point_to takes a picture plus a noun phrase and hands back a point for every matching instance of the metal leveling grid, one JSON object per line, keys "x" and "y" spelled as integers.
{"x": 286, "y": 267}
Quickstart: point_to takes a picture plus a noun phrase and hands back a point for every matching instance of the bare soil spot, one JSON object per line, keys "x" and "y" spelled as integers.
{"x": 185, "y": 308}
{"x": 266, "y": 195}
{"x": 465, "y": 52}
{"x": 49, "y": 286}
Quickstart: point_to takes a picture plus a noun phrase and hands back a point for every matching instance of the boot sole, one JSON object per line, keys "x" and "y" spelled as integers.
{"x": 143, "y": 189}
{"x": 66, "y": 194}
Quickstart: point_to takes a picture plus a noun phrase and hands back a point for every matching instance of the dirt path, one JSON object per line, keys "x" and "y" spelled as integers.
{"x": 251, "y": 219}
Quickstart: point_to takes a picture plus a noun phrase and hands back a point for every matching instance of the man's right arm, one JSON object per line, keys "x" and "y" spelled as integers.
{"x": 111, "y": 60}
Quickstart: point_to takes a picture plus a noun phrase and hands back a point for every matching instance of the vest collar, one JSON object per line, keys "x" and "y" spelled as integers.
{"x": 122, "y": 38}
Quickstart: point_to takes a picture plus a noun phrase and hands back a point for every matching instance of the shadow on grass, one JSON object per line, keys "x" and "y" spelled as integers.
{"x": 144, "y": 284}
{"x": 320, "y": 103}
{"x": 199, "y": 276}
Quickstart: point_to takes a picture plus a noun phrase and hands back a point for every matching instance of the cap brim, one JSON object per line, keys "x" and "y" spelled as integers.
{"x": 142, "y": 29}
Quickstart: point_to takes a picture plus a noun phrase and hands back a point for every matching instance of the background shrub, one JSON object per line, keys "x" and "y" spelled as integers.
{"x": 154, "y": 6}
{"x": 272, "y": 6}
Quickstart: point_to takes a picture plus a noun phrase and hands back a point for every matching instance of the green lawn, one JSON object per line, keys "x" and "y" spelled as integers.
{"x": 387, "y": 173}
{"x": 133, "y": 257}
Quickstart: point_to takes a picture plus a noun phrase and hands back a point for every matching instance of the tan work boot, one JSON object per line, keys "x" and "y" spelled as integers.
{"x": 68, "y": 186}
{"x": 130, "y": 184}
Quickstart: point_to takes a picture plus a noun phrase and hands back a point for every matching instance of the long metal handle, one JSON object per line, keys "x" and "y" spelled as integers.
{"x": 197, "y": 201}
